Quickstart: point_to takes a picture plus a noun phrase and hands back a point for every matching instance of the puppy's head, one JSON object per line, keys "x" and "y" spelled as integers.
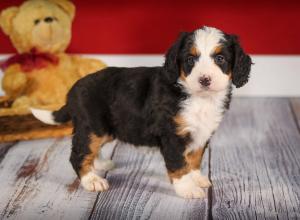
{"x": 207, "y": 60}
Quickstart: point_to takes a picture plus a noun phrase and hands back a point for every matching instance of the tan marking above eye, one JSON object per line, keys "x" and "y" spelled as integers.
{"x": 218, "y": 49}
{"x": 194, "y": 51}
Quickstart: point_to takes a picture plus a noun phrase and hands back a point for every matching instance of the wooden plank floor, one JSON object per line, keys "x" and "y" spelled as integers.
{"x": 253, "y": 162}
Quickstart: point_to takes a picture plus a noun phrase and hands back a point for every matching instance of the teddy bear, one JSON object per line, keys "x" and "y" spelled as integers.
{"x": 41, "y": 74}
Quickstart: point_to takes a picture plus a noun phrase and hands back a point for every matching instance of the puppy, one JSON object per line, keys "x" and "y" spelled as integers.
{"x": 176, "y": 107}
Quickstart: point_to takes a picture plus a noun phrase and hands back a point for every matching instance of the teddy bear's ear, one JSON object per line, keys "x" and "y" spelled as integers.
{"x": 6, "y": 18}
{"x": 67, "y": 6}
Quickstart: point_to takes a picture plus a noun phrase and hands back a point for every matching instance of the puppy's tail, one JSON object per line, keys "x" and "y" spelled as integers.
{"x": 52, "y": 117}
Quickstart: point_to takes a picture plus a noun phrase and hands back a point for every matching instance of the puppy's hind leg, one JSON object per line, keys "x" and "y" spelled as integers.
{"x": 86, "y": 146}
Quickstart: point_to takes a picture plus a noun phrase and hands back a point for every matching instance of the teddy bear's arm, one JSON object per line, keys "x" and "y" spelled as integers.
{"x": 14, "y": 81}
{"x": 87, "y": 65}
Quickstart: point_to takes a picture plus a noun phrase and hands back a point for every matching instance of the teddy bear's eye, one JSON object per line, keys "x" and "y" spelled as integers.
{"x": 36, "y": 21}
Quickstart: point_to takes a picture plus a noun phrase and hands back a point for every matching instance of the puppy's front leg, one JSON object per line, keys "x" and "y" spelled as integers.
{"x": 183, "y": 168}
{"x": 194, "y": 159}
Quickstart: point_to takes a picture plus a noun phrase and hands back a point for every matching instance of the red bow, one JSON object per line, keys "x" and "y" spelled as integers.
{"x": 30, "y": 61}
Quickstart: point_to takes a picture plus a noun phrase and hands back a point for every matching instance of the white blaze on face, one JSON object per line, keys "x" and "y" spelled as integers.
{"x": 206, "y": 41}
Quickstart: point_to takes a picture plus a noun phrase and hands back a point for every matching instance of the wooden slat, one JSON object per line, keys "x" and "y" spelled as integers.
{"x": 255, "y": 162}
{"x": 37, "y": 182}
{"x": 254, "y": 166}
{"x": 4, "y": 148}
{"x": 295, "y": 105}
{"x": 140, "y": 189}
{"x": 27, "y": 127}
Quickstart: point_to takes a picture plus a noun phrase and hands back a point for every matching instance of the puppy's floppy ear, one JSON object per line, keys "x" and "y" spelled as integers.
{"x": 172, "y": 68}
{"x": 241, "y": 64}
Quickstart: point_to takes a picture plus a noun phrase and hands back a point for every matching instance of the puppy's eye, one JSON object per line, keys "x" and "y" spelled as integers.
{"x": 36, "y": 21}
{"x": 191, "y": 60}
{"x": 219, "y": 59}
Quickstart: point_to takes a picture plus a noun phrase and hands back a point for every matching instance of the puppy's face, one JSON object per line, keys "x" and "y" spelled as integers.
{"x": 205, "y": 61}
{"x": 208, "y": 60}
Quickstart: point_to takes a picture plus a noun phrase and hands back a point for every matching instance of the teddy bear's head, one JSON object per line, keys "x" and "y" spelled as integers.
{"x": 43, "y": 25}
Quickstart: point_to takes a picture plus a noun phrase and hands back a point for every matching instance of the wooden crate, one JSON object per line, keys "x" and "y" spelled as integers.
{"x": 26, "y": 127}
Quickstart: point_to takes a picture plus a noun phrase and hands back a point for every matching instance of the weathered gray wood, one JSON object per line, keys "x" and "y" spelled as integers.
{"x": 255, "y": 162}
{"x": 4, "y": 148}
{"x": 140, "y": 189}
{"x": 254, "y": 166}
{"x": 295, "y": 105}
{"x": 37, "y": 182}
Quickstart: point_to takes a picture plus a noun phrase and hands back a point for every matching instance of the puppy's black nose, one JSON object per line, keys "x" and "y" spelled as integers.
{"x": 205, "y": 81}
{"x": 49, "y": 19}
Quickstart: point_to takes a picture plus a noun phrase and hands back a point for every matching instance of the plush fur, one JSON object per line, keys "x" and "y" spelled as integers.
{"x": 176, "y": 107}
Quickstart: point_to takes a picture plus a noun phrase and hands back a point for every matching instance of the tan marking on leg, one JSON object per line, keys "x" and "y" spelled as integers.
{"x": 192, "y": 159}
{"x": 95, "y": 144}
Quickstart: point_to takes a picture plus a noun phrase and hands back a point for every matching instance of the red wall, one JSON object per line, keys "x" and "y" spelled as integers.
{"x": 142, "y": 26}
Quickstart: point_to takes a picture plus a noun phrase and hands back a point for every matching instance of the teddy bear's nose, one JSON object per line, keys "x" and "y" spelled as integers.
{"x": 48, "y": 19}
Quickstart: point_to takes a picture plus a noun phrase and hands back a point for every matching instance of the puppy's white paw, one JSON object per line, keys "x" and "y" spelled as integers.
{"x": 103, "y": 165}
{"x": 93, "y": 182}
{"x": 200, "y": 180}
{"x": 187, "y": 188}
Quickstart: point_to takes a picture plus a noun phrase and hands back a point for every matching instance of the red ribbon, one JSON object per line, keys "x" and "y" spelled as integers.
{"x": 30, "y": 61}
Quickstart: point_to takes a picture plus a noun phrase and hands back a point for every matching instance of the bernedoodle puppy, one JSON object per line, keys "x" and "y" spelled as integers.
{"x": 176, "y": 107}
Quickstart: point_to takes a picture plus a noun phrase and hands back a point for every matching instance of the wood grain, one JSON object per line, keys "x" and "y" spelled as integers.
{"x": 253, "y": 161}
{"x": 140, "y": 189}
{"x": 255, "y": 164}
{"x": 4, "y": 148}
{"x": 37, "y": 182}
{"x": 295, "y": 105}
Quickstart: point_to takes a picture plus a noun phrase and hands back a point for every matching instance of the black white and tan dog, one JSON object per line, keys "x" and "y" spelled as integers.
{"x": 176, "y": 107}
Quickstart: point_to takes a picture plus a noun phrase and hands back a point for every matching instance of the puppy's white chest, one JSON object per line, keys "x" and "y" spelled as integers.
{"x": 202, "y": 116}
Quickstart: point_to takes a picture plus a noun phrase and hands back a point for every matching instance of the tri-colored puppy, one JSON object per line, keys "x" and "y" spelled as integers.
{"x": 176, "y": 107}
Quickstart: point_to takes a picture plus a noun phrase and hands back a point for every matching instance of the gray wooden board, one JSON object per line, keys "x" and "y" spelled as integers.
{"x": 254, "y": 166}
{"x": 255, "y": 162}
{"x": 4, "y": 148}
{"x": 140, "y": 189}
{"x": 295, "y": 105}
{"x": 37, "y": 182}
